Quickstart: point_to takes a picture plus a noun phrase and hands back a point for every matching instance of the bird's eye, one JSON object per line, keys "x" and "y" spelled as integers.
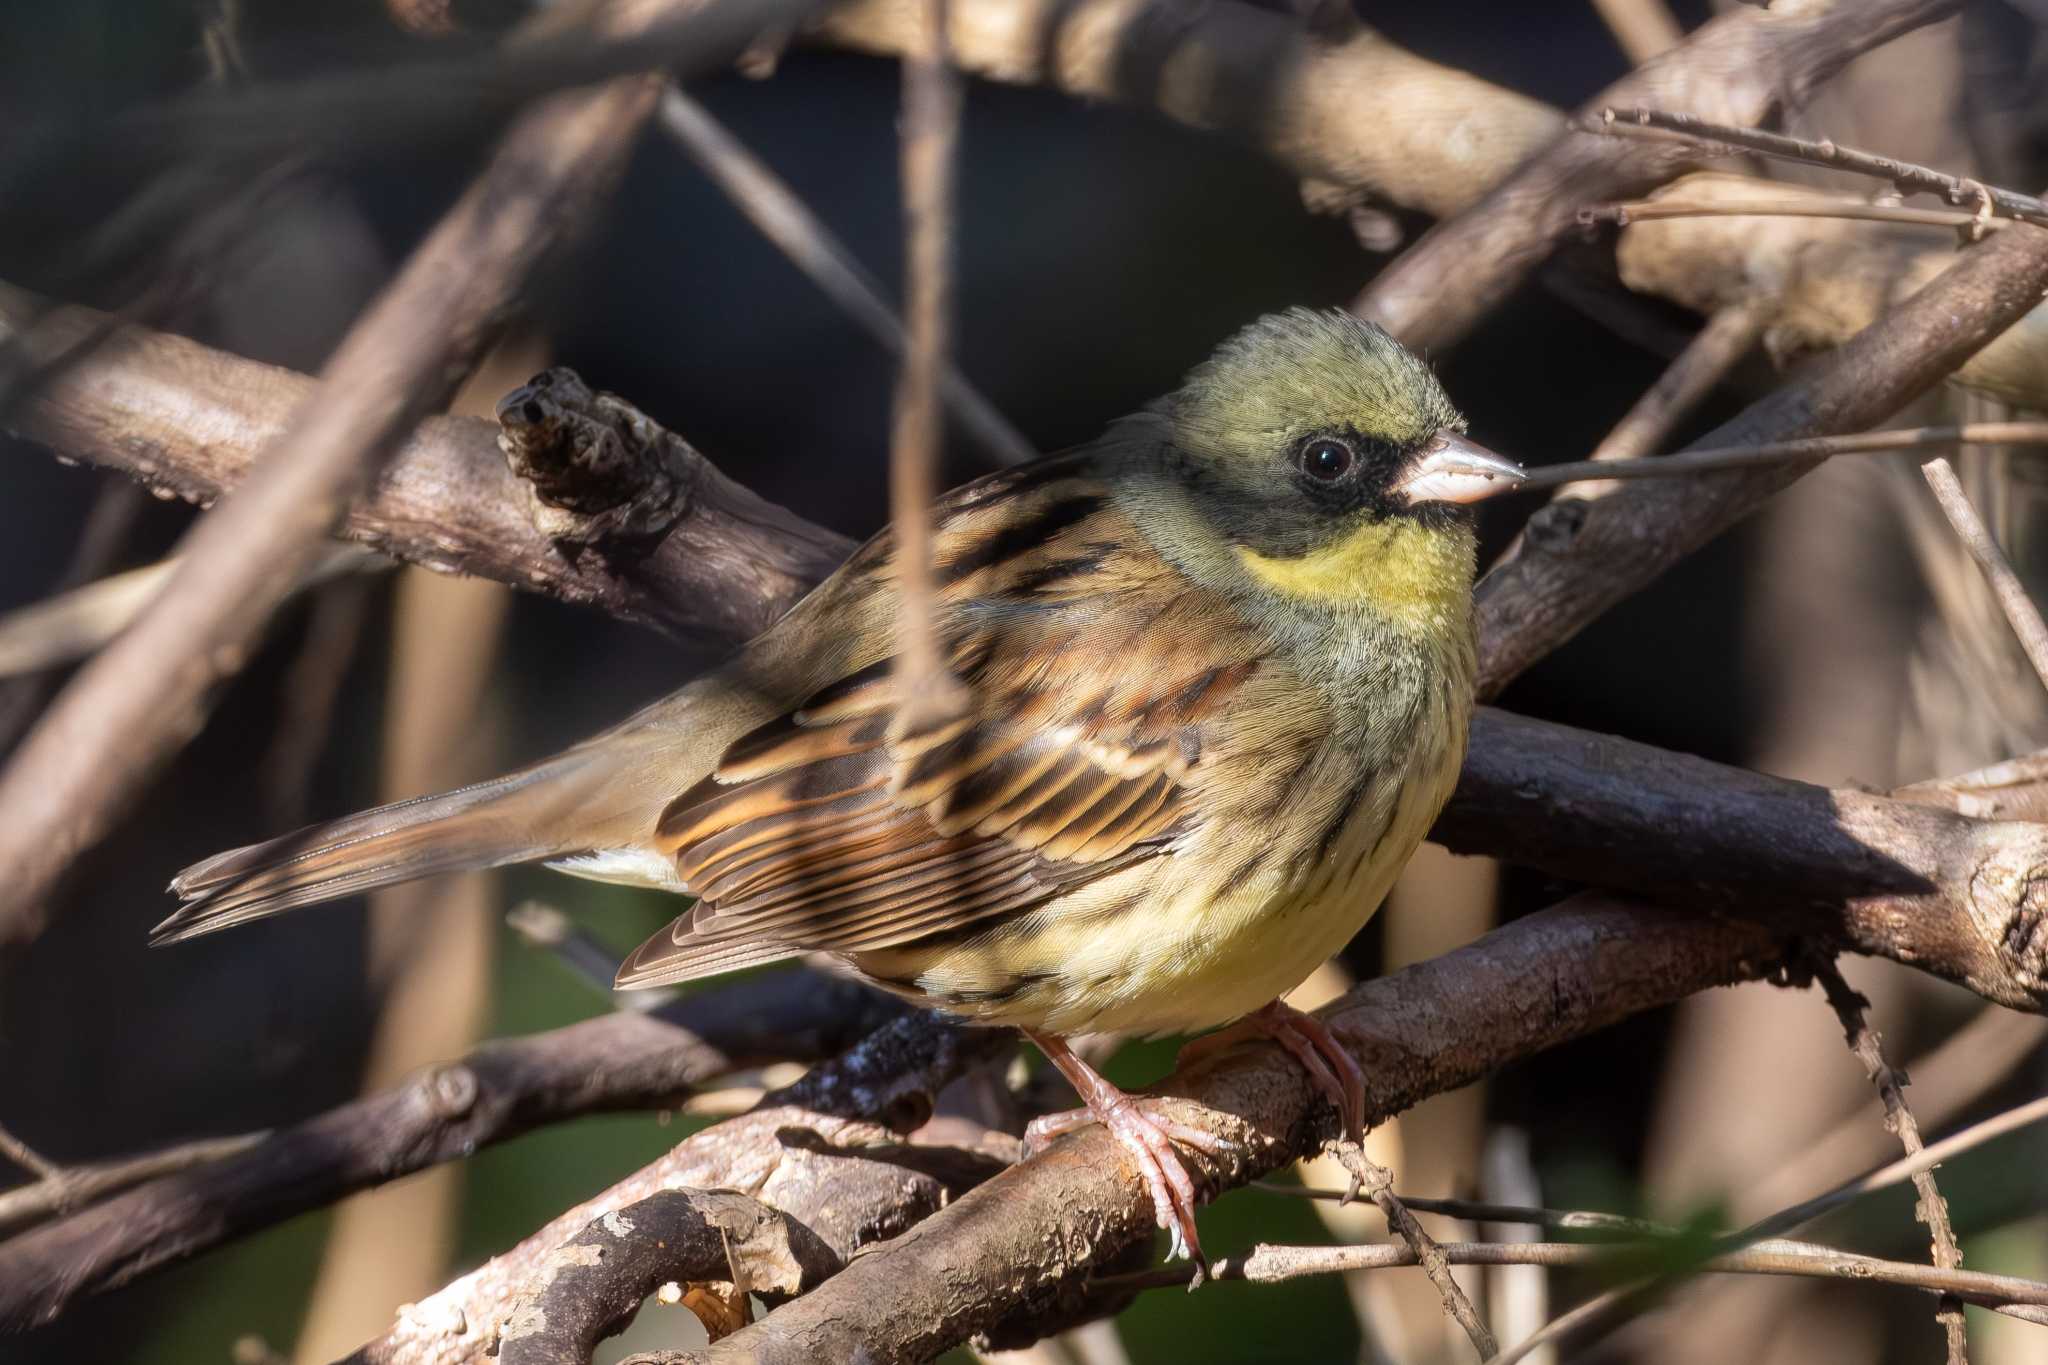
{"x": 1326, "y": 459}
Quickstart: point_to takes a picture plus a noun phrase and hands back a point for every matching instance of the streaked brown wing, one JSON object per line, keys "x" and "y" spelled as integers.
{"x": 1093, "y": 669}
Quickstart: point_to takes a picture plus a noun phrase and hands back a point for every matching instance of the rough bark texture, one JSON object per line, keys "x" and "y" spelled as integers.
{"x": 592, "y": 1284}
{"x": 1019, "y": 1247}
{"x": 1966, "y": 899}
{"x": 827, "y": 1151}
{"x": 189, "y": 421}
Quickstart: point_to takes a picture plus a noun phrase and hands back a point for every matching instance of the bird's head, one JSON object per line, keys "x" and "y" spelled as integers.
{"x": 1333, "y": 463}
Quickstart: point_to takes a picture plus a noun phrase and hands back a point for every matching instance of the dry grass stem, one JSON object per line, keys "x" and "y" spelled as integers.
{"x": 2005, "y": 584}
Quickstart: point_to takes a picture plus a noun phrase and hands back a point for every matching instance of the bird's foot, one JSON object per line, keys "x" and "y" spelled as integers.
{"x": 1333, "y": 1069}
{"x": 1149, "y": 1138}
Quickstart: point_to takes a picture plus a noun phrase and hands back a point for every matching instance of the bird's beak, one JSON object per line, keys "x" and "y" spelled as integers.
{"x": 1452, "y": 469}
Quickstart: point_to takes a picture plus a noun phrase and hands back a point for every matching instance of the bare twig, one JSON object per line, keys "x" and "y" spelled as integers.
{"x": 544, "y": 927}
{"x": 1849, "y": 1007}
{"x": 1271, "y": 1264}
{"x": 1739, "y": 67}
{"x": 1606, "y": 1311}
{"x": 28, "y": 1158}
{"x": 76, "y": 1187}
{"x": 1906, "y": 175}
{"x": 1576, "y": 558}
{"x": 1946, "y": 1080}
{"x": 1792, "y": 206}
{"x": 189, "y": 421}
{"x": 71, "y": 625}
{"x": 1773, "y": 453}
{"x": 1717, "y": 349}
{"x": 1609, "y": 1225}
{"x": 784, "y": 219}
{"x": 930, "y": 136}
{"x": 1378, "y": 1184}
{"x": 1998, "y": 572}
{"x": 133, "y": 706}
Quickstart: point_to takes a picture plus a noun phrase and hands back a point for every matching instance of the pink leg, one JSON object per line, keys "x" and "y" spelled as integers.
{"x": 1335, "y": 1072}
{"x": 1147, "y": 1137}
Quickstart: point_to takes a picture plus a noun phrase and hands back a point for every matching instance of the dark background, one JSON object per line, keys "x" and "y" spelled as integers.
{"x": 1101, "y": 251}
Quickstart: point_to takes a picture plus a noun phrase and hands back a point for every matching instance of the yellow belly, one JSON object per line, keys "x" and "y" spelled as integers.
{"x": 1186, "y": 942}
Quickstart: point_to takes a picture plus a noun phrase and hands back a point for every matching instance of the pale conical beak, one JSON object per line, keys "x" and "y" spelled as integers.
{"x": 1452, "y": 469}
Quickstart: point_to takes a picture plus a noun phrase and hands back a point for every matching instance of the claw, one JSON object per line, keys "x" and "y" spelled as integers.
{"x": 1148, "y": 1139}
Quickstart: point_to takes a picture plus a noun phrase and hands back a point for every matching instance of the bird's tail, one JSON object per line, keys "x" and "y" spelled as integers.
{"x": 539, "y": 812}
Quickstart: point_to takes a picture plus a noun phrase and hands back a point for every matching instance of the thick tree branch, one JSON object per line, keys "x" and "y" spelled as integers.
{"x": 1966, "y": 899}
{"x": 826, "y": 1151}
{"x": 593, "y": 1284}
{"x": 619, "y": 1061}
{"x": 1020, "y": 1247}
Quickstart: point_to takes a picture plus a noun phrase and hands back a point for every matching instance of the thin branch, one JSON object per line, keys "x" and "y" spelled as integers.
{"x": 1378, "y": 121}
{"x": 1907, "y": 176}
{"x": 931, "y": 696}
{"x": 133, "y": 706}
{"x": 1378, "y": 1184}
{"x": 1774, "y": 453}
{"x": 1740, "y": 67}
{"x": 1604, "y": 1312}
{"x": 618, "y": 1061}
{"x": 1998, "y": 572}
{"x": 1577, "y": 558}
{"x": 781, "y": 215}
{"x": 72, "y": 625}
{"x": 28, "y": 1158}
{"x": 1608, "y": 1225}
{"x": 1850, "y": 1008}
{"x": 1705, "y": 362}
{"x": 189, "y": 421}
{"x": 1947, "y": 1079}
{"x": 77, "y": 1187}
{"x": 542, "y": 926}
{"x": 1794, "y": 206}
{"x": 1272, "y": 1264}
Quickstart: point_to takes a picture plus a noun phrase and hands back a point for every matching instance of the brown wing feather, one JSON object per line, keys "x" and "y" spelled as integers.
{"x": 1093, "y": 668}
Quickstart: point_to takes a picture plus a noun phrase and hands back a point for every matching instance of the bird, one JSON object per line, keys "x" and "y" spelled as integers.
{"x": 1213, "y": 678}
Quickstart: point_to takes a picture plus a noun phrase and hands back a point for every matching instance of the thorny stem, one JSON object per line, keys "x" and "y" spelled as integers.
{"x": 1850, "y": 1007}
{"x": 1378, "y": 1184}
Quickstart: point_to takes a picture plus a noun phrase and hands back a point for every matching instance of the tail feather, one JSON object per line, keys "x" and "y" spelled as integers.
{"x": 488, "y": 825}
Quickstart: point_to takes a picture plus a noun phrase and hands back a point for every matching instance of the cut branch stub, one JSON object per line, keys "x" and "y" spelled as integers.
{"x": 590, "y": 1286}
{"x": 597, "y": 471}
